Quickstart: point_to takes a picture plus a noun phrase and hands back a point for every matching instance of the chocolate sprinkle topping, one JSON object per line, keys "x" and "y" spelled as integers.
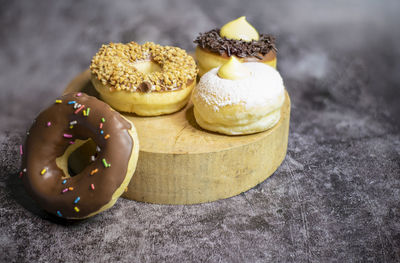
{"x": 212, "y": 41}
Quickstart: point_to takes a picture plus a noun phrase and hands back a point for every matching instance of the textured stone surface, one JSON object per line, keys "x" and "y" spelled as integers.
{"x": 335, "y": 197}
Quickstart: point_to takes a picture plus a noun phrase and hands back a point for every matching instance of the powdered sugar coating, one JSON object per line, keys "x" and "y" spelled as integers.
{"x": 263, "y": 87}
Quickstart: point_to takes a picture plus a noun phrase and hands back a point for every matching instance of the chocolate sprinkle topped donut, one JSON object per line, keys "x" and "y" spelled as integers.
{"x": 213, "y": 42}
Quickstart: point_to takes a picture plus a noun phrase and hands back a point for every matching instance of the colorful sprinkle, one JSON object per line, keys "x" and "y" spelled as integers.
{"x": 21, "y": 152}
{"x": 76, "y": 209}
{"x": 66, "y": 135}
{"x": 73, "y": 122}
{"x": 92, "y": 158}
{"x": 48, "y": 124}
{"x": 86, "y": 112}
{"x": 79, "y": 94}
{"x": 59, "y": 213}
{"x": 70, "y": 188}
{"x": 71, "y": 102}
{"x": 20, "y": 174}
{"x": 77, "y": 200}
{"x": 101, "y": 132}
{"x": 107, "y": 136}
{"x": 103, "y": 120}
{"x": 65, "y": 190}
{"x": 79, "y": 109}
{"x": 71, "y": 142}
{"x": 92, "y": 186}
{"x": 71, "y": 126}
{"x": 94, "y": 171}
{"x": 64, "y": 181}
{"x": 106, "y": 165}
{"x": 101, "y": 125}
{"x": 97, "y": 148}
{"x": 58, "y": 101}
{"x": 43, "y": 171}
{"x": 24, "y": 170}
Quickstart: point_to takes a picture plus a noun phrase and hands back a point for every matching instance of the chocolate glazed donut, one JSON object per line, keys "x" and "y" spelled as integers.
{"x": 71, "y": 121}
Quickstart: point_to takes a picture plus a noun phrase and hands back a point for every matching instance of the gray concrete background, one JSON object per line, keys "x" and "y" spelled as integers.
{"x": 334, "y": 199}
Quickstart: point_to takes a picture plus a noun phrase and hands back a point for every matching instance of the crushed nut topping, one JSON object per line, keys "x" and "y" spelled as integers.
{"x": 114, "y": 65}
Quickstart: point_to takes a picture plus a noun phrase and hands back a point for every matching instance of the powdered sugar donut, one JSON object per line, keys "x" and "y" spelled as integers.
{"x": 241, "y": 106}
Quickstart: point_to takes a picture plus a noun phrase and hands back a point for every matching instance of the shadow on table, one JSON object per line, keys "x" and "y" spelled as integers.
{"x": 17, "y": 192}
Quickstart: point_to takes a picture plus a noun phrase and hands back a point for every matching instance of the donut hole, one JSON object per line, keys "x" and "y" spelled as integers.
{"x": 81, "y": 157}
{"x": 147, "y": 67}
{"x": 77, "y": 157}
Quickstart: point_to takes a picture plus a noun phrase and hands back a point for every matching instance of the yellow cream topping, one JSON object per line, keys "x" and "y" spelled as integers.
{"x": 239, "y": 29}
{"x": 233, "y": 70}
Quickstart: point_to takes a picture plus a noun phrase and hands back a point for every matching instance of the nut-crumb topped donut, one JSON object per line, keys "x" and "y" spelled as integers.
{"x": 146, "y": 79}
{"x": 74, "y": 120}
{"x": 236, "y": 38}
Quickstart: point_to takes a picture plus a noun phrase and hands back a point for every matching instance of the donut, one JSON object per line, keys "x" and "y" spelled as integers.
{"x": 77, "y": 121}
{"x": 238, "y": 98}
{"x": 147, "y": 79}
{"x": 237, "y": 38}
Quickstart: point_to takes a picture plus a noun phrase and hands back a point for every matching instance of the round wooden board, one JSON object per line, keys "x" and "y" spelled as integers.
{"x": 180, "y": 163}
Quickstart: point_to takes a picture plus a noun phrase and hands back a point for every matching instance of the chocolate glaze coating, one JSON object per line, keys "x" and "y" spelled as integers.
{"x": 46, "y": 143}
